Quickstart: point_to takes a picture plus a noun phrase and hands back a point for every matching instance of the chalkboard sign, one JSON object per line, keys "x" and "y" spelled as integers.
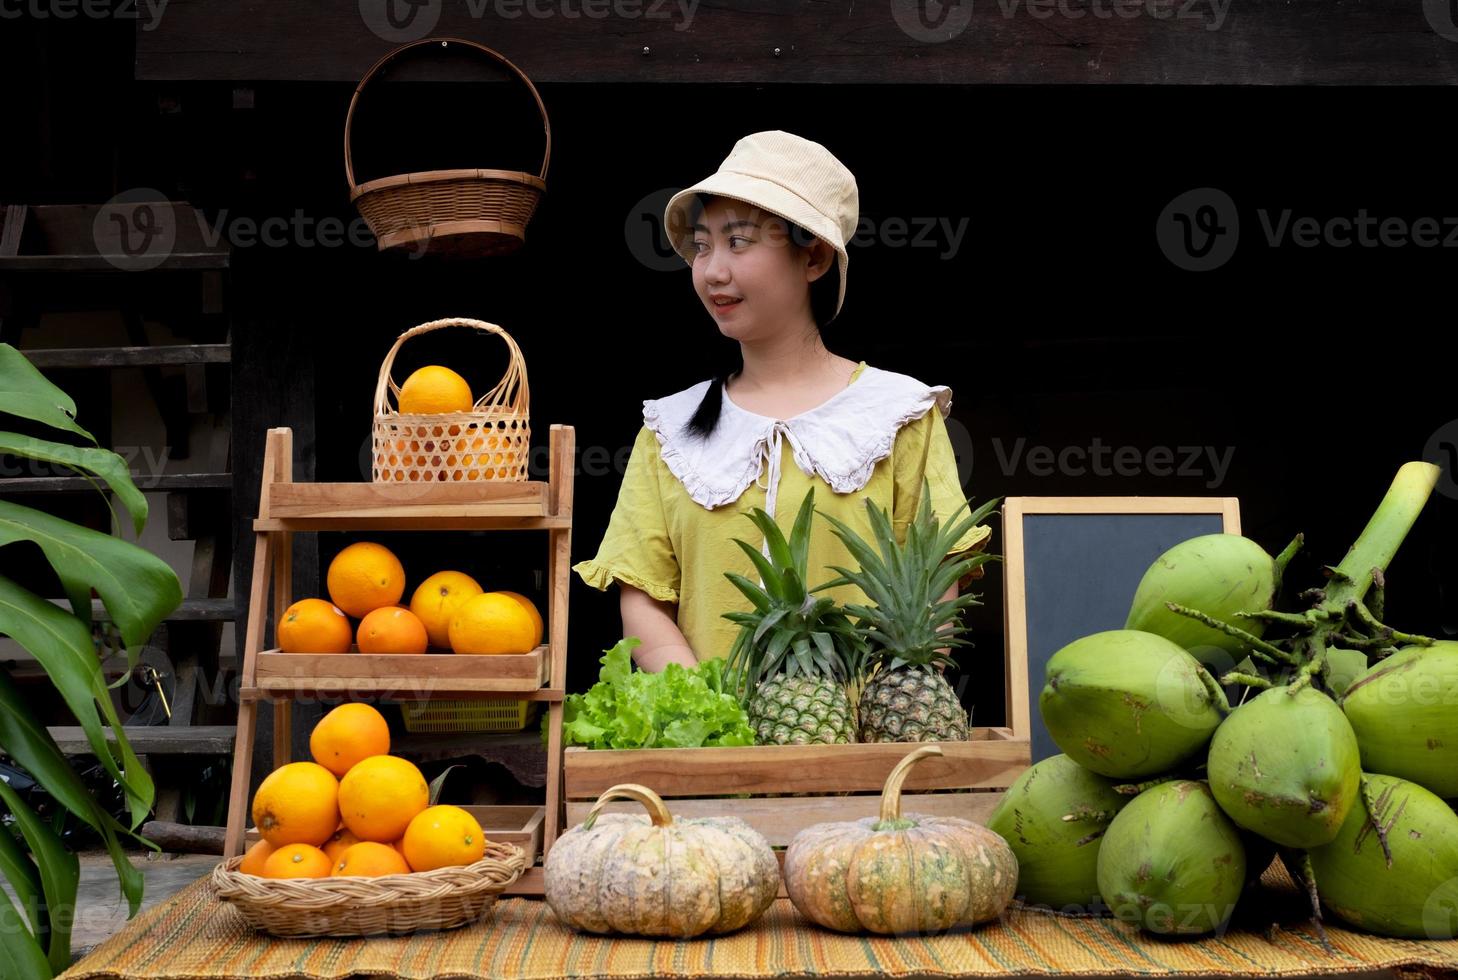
{"x": 1072, "y": 565}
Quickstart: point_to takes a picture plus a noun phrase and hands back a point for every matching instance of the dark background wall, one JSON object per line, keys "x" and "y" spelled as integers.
{"x": 1058, "y": 320}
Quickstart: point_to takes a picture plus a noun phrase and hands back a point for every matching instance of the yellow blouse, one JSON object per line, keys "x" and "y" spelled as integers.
{"x": 663, "y": 542}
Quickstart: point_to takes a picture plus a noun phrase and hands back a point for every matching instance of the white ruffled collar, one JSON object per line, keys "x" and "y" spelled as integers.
{"x": 841, "y": 440}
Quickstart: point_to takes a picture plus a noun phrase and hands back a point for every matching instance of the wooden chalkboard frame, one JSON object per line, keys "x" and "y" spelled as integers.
{"x": 1015, "y": 599}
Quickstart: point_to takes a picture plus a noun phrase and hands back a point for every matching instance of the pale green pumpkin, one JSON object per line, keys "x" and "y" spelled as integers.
{"x": 893, "y": 874}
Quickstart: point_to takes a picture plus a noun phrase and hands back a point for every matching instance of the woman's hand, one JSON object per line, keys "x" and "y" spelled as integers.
{"x": 655, "y": 623}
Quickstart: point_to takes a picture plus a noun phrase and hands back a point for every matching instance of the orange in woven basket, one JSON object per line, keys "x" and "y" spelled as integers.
{"x": 347, "y": 906}
{"x": 491, "y": 441}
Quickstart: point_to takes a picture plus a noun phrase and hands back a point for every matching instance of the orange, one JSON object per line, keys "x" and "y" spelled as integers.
{"x": 342, "y": 841}
{"x": 434, "y": 389}
{"x": 314, "y": 626}
{"x": 297, "y": 861}
{"x": 346, "y": 735}
{"x": 364, "y": 577}
{"x": 380, "y": 796}
{"x": 256, "y": 857}
{"x": 399, "y": 846}
{"x": 370, "y": 860}
{"x": 443, "y": 837}
{"x": 392, "y": 629}
{"x": 436, "y": 601}
{"x": 531, "y": 611}
{"x": 492, "y": 623}
{"x": 297, "y": 804}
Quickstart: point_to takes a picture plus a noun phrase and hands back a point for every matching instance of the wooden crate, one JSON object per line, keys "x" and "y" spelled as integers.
{"x": 828, "y": 782}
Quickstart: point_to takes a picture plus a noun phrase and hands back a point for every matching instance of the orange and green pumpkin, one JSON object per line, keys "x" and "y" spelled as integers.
{"x": 657, "y": 876}
{"x": 893, "y": 874}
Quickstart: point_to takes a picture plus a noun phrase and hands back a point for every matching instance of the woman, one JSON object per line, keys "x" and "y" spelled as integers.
{"x": 765, "y": 238}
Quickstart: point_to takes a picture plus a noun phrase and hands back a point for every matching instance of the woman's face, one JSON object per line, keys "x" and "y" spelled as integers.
{"x": 751, "y": 277}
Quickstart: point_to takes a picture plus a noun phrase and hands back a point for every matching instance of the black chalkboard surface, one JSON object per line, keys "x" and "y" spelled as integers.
{"x": 1073, "y": 564}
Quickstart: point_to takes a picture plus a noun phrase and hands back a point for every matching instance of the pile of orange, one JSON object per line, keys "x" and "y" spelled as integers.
{"x": 472, "y": 455}
{"x": 355, "y": 810}
{"x": 447, "y": 611}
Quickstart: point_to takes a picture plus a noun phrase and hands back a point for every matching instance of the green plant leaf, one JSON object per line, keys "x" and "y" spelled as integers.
{"x": 21, "y": 958}
{"x": 98, "y": 462}
{"x": 438, "y": 783}
{"x": 138, "y": 588}
{"x": 773, "y": 583}
{"x": 63, "y": 647}
{"x": 60, "y": 874}
{"x": 25, "y": 740}
{"x": 26, "y": 393}
{"x": 800, "y": 534}
{"x": 752, "y": 592}
{"x": 25, "y": 880}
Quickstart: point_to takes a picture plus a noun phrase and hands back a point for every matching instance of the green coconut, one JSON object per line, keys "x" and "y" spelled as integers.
{"x": 1286, "y": 767}
{"x": 1128, "y": 704}
{"x": 1415, "y": 896}
{"x": 1054, "y": 817}
{"x": 1217, "y": 574}
{"x": 1405, "y": 712}
{"x": 1172, "y": 861}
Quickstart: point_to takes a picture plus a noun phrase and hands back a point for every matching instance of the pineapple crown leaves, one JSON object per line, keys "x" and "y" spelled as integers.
{"x": 790, "y": 630}
{"x": 906, "y": 581}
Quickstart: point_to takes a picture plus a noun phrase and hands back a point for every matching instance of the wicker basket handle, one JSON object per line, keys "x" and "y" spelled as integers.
{"x": 510, "y": 393}
{"x": 443, "y": 42}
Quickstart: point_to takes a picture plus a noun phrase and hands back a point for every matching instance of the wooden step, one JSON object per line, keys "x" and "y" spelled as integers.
{"x": 407, "y": 506}
{"x": 190, "y": 611}
{"x": 400, "y": 676}
{"x": 116, "y": 357}
{"x": 73, "y": 484}
{"x": 155, "y": 739}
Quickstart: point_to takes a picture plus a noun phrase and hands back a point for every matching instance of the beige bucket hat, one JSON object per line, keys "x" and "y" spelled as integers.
{"x": 788, "y": 175}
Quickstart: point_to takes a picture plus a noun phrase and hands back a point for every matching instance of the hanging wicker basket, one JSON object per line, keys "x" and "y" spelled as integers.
{"x": 467, "y": 213}
{"x": 388, "y": 905}
{"x": 490, "y": 442}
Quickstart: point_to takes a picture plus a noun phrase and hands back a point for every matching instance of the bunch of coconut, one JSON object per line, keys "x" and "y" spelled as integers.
{"x": 1217, "y": 730}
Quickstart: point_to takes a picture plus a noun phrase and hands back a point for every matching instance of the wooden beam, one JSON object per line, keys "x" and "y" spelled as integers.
{"x": 115, "y": 357}
{"x": 1020, "y": 42}
{"x": 154, "y": 739}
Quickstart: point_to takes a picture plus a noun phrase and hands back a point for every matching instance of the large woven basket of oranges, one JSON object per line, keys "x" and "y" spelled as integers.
{"x": 352, "y": 845}
{"x": 437, "y": 431}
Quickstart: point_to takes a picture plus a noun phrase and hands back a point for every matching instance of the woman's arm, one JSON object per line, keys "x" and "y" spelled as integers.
{"x": 655, "y": 623}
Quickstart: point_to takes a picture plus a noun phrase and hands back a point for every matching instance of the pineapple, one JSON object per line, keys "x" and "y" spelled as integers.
{"x": 905, "y": 698}
{"x": 795, "y": 652}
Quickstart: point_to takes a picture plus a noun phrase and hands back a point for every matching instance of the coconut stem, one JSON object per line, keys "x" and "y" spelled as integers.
{"x": 1284, "y": 558}
{"x": 1134, "y": 789}
{"x": 1216, "y": 692}
{"x": 1382, "y": 632}
{"x": 1310, "y": 669}
{"x": 1249, "y": 680}
{"x": 1299, "y": 620}
{"x": 1379, "y": 593}
{"x": 1370, "y": 802}
{"x": 891, "y": 792}
{"x": 657, "y": 811}
{"x": 1273, "y": 654}
{"x": 1309, "y": 874}
{"x": 1384, "y": 533}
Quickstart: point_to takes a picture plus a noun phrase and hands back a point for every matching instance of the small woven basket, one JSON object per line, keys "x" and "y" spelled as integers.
{"x": 445, "y": 898}
{"x": 490, "y": 442}
{"x": 469, "y": 213}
